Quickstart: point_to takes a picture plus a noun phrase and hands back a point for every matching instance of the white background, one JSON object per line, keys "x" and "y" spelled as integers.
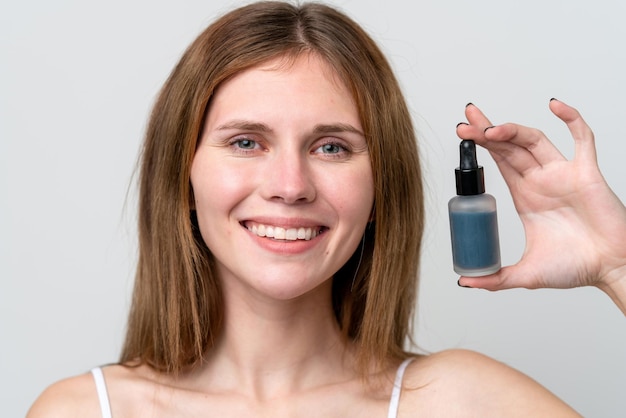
{"x": 77, "y": 80}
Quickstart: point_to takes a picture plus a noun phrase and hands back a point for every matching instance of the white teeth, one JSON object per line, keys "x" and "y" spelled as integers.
{"x": 291, "y": 234}
{"x": 279, "y": 233}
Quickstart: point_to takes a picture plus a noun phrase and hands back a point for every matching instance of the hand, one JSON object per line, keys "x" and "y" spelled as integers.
{"x": 575, "y": 225}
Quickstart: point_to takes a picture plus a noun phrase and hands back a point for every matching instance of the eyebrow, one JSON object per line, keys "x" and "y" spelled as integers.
{"x": 261, "y": 127}
{"x": 336, "y": 127}
{"x": 245, "y": 126}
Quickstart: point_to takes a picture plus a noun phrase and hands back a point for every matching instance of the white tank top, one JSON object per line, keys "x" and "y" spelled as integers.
{"x": 105, "y": 405}
{"x": 103, "y": 394}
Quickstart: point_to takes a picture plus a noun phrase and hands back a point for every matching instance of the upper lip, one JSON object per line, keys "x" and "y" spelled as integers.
{"x": 284, "y": 222}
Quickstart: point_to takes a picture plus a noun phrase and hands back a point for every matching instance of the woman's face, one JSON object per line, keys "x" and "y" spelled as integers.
{"x": 282, "y": 178}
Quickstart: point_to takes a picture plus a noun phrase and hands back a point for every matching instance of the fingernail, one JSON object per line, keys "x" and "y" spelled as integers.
{"x": 488, "y": 127}
{"x": 553, "y": 99}
{"x": 461, "y": 123}
{"x": 460, "y": 285}
{"x": 469, "y": 104}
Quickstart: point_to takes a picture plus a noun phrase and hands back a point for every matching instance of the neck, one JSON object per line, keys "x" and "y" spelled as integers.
{"x": 271, "y": 348}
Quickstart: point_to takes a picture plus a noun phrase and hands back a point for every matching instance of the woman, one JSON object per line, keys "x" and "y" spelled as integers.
{"x": 280, "y": 224}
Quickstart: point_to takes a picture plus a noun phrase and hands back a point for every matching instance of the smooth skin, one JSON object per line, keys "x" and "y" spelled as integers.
{"x": 281, "y": 353}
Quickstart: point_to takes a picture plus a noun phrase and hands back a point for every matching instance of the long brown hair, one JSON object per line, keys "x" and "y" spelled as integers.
{"x": 176, "y": 311}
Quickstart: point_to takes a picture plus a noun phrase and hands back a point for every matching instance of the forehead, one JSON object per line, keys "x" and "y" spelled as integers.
{"x": 288, "y": 65}
{"x": 306, "y": 81}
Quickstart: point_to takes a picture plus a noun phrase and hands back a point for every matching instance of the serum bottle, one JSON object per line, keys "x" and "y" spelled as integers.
{"x": 473, "y": 219}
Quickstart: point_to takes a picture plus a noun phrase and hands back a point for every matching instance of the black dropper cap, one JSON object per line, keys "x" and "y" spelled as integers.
{"x": 470, "y": 179}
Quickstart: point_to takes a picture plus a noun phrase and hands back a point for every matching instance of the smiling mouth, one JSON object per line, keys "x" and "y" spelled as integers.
{"x": 284, "y": 234}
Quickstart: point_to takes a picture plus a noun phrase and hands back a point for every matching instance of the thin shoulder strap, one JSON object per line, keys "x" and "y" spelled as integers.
{"x": 101, "y": 388}
{"x": 394, "y": 403}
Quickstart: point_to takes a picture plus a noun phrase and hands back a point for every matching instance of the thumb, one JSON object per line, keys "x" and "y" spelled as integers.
{"x": 500, "y": 280}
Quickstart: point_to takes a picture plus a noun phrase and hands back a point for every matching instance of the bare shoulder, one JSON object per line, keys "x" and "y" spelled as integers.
{"x": 126, "y": 386}
{"x": 459, "y": 383}
{"x": 72, "y": 397}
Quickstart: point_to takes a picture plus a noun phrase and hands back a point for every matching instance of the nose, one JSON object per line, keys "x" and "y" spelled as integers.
{"x": 288, "y": 178}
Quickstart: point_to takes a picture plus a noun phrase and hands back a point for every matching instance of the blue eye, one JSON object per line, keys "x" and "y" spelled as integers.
{"x": 245, "y": 144}
{"x": 331, "y": 148}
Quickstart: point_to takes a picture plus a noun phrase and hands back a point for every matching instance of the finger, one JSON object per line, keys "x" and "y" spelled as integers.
{"x": 581, "y": 132}
{"x": 532, "y": 141}
{"x": 509, "y": 156}
{"x": 478, "y": 122}
{"x": 510, "y": 174}
{"x": 502, "y": 280}
{"x": 492, "y": 282}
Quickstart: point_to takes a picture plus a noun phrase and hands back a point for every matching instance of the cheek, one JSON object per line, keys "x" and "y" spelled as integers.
{"x": 217, "y": 191}
{"x": 216, "y": 183}
{"x": 356, "y": 198}
{"x": 367, "y": 199}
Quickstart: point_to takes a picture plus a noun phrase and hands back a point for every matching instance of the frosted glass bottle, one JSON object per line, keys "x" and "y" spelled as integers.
{"x": 473, "y": 219}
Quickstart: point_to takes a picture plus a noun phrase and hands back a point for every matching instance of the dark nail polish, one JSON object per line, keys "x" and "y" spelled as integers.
{"x": 461, "y": 123}
{"x": 553, "y": 99}
{"x": 469, "y": 104}
{"x": 460, "y": 285}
